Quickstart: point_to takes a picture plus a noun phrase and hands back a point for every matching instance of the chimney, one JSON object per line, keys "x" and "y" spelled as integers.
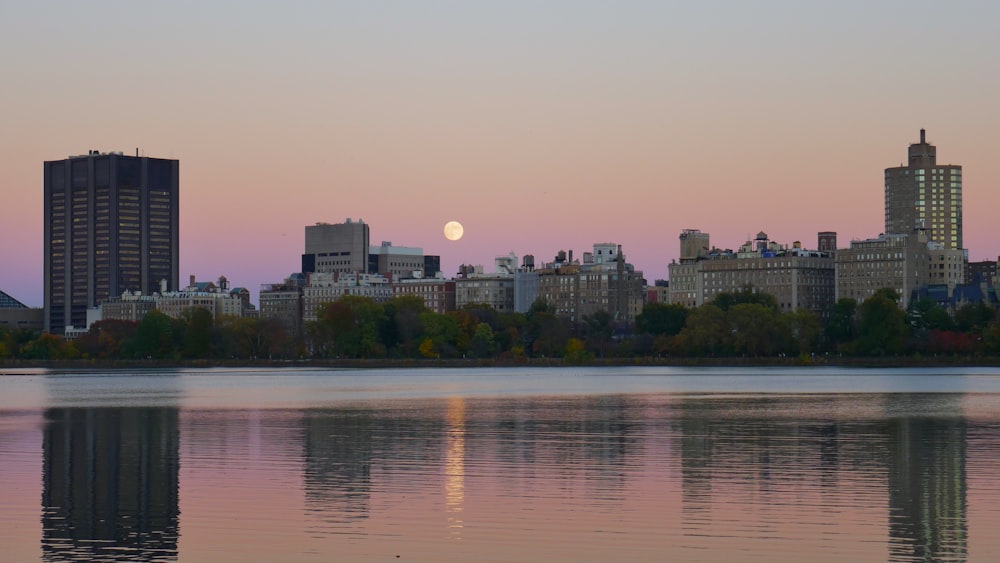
{"x": 192, "y": 280}
{"x": 923, "y": 136}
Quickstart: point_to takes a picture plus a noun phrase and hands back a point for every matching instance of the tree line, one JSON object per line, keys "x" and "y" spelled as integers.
{"x": 745, "y": 323}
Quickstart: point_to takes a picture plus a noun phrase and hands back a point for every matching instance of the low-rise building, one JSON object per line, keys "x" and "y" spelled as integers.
{"x": 323, "y": 288}
{"x": 438, "y": 293}
{"x": 604, "y": 281}
{"x": 797, "y": 278}
{"x": 897, "y": 261}
{"x": 283, "y": 301}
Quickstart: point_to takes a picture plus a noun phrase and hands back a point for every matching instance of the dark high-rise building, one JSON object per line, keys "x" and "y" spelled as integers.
{"x": 925, "y": 195}
{"x": 111, "y": 225}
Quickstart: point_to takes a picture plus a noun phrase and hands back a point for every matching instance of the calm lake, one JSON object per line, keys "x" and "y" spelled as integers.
{"x": 506, "y": 464}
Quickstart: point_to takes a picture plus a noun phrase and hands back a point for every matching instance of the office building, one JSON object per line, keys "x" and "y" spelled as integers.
{"x": 396, "y": 262}
{"x": 110, "y": 226}
{"x": 925, "y": 195}
{"x": 340, "y": 248}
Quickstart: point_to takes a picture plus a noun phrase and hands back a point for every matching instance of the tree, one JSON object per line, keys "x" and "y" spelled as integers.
{"x": 757, "y": 329}
{"x": 441, "y": 335}
{"x": 926, "y": 314}
{"x": 599, "y": 331}
{"x": 707, "y": 333}
{"x": 153, "y": 337}
{"x": 106, "y": 339}
{"x": 841, "y": 327}
{"x": 197, "y": 333}
{"x": 661, "y": 319}
{"x": 973, "y": 317}
{"x": 727, "y": 300}
{"x": 402, "y": 331}
{"x": 804, "y": 329}
{"x": 882, "y": 326}
{"x": 483, "y": 345}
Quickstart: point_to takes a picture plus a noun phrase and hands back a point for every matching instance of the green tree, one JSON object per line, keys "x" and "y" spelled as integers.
{"x": 727, "y": 300}
{"x": 841, "y": 328}
{"x": 198, "y": 332}
{"x": 105, "y": 339}
{"x": 599, "y": 331}
{"x": 153, "y": 337}
{"x": 757, "y": 329}
{"x": 706, "y": 333}
{"x": 483, "y": 344}
{"x": 442, "y": 332}
{"x": 882, "y": 326}
{"x": 402, "y": 331}
{"x": 925, "y": 314}
{"x": 662, "y": 319}
{"x": 48, "y": 347}
{"x": 973, "y": 317}
{"x": 804, "y": 329}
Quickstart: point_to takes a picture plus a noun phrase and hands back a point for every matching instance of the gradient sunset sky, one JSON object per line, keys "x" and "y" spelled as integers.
{"x": 539, "y": 125}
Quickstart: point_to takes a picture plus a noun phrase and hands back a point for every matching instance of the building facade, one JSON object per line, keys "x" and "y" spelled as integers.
{"x": 895, "y": 261}
{"x": 438, "y": 293}
{"x": 323, "y": 288}
{"x": 283, "y": 302}
{"x": 796, "y": 277}
{"x": 336, "y": 248}
{"x": 925, "y": 195}
{"x": 110, "y": 226}
{"x": 604, "y": 281}
{"x": 396, "y": 262}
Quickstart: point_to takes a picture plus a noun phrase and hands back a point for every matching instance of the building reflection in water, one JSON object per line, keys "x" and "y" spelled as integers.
{"x": 454, "y": 465}
{"x": 110, "y": 484}
{"x": 338, "y": 464}
{"x": 927, "y": 483}
{"x": 740, "y": 452}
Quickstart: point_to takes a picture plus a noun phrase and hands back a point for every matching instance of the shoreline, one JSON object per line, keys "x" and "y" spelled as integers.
{"x": 384, "y": 363}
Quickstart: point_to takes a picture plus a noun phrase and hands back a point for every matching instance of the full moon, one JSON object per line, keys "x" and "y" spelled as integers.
{"x": 453, "y": 230}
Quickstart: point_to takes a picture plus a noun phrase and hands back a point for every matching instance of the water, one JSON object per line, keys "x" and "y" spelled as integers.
{"x": 596, "y": 464}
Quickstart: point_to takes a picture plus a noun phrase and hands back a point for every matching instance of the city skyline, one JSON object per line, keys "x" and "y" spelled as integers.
{"x": 539, "y": 128}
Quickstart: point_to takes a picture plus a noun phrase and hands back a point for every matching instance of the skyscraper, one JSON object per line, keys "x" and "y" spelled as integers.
{"x": 111, "y": 225}
{"x": 925, "y": 195}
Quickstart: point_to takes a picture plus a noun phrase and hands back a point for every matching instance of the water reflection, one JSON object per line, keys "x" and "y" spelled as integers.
{"x": 454, "y": 466}
{"x": 110, "y": 484}
{"x": 927, "y": 489}
{"x": 624, "y": 477}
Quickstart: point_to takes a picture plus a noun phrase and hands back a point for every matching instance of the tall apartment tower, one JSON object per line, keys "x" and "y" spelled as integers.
{"x": 925, "y": 195}
{"x": 111, "y": 225}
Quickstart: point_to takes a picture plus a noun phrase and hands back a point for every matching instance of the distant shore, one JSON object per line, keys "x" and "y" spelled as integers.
{"x": 384, "y": 363}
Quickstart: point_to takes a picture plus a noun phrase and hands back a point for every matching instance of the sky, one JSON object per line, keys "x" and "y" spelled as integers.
{"x": 539, "y": 125}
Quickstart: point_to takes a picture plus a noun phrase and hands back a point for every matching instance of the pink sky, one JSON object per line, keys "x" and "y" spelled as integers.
{"x": 539, "y": 127}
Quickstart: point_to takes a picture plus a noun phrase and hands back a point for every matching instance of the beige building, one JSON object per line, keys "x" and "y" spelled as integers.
{"x": 174, "y": 303}
{"x": 323, "y": 288}
{"x": 131, "y": 306}
{"x": 796, "y": 277}
{"x": 896, "y": 261}
{"x": 396, "y": 262}
{"x": 340, "y": 248}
